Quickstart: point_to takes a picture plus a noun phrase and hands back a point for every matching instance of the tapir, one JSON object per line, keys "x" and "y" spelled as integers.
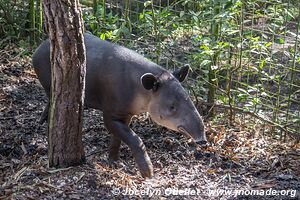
{"x": 122, "y": 83}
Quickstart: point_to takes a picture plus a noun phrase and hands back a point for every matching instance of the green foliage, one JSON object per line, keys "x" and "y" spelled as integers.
{"x": 13, "y": 18}
{"x": 106, "y": 25}
{"x": 21, "y": 20}
{"x": 243, "y": 53}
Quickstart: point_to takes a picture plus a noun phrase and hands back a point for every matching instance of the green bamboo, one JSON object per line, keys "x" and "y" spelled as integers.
{"x": 229, "y": 84}
{"x": 95, "y": 6}
{"x": 127, "y": 15}
{"x": 110, "y": 6}
{"x": 215, "y": 31}
{"x": 292, "y": 77}
{"x": 32, "y": 21}
{"x": 40, "y": 19}
{"x": 241, "y": 50}
{"x": 104, "y": 10}
{"x": 156, "y": 33}
{"x": 277, "y": 107}
{"x": 155, "y": 29}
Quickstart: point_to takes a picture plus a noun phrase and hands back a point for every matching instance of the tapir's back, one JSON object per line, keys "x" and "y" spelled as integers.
{"x": 112, "y": 72}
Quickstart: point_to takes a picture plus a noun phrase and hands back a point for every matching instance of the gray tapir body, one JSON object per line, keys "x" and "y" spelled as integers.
{"x": 122, "y": 83}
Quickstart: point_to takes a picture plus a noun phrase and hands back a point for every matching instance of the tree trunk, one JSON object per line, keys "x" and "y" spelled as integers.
{"x": 63, "y": 20}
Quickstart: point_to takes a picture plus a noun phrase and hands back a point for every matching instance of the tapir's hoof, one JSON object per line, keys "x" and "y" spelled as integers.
{"x": 145, "y": 168}
{"x": 147, "y": 173}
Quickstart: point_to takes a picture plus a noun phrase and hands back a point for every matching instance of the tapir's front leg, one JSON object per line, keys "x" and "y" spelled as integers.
{"x": 120, "y": 129}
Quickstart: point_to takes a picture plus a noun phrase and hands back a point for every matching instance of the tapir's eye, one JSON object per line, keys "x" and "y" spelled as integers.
{"x": 172, "y": 108}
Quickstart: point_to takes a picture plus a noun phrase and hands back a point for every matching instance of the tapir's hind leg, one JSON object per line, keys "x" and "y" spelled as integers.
{"x": 44, "y": 115}
{"x": 115, "y": 143}
{"x": 114, "y": 149}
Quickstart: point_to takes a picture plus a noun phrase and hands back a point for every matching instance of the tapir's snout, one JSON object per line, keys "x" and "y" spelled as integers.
{"x": 199, "y": 138}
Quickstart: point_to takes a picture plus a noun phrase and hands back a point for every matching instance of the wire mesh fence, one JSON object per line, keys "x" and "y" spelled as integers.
{"x": 244, "y": 54}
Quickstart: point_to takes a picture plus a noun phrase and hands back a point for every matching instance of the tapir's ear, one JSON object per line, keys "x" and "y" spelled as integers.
{"x": 149, "y": 81}
{"x": 182, "y": 73}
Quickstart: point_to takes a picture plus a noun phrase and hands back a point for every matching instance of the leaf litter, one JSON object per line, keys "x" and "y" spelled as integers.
{"x": 238, "y": 157}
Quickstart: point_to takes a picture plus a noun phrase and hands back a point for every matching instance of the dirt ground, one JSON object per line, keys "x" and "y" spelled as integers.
{"x": 244, "y": 160}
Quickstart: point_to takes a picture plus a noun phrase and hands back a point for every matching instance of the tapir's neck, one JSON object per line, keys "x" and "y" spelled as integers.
{"x": 143, "y": 97}
{"x": 141, "y": 102}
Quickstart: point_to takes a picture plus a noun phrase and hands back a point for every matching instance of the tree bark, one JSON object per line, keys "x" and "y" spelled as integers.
{"x": 63, "y": 20}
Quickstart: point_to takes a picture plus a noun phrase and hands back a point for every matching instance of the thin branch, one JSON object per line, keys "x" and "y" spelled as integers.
{"x": 262, "y": 118}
